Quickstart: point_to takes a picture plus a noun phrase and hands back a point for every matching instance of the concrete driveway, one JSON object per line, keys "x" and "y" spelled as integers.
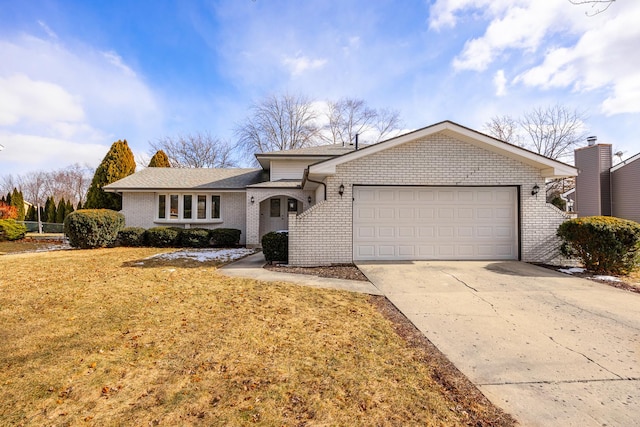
{"x": 548, "y": 348}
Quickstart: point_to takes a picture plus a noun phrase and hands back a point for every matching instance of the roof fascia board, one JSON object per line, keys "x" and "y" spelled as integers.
{"x": 625, "y": 162}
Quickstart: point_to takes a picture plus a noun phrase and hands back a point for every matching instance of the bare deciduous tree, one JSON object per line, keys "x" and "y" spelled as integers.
{"x": 505, "y": 128}
{"x": 282, "y": 122}
{"x": 70, "y": 183}
{"x": 198, "y": 150}
{"x": 597, "y": 6}
{"x": 551, "y": 131}
{"x": 349, "y": 117}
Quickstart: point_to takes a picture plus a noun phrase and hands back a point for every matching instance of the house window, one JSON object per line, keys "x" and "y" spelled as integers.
{"x": 187, "y": 201}
{"x": 162, "y": 206}
{"x": 173, "y": 206}
{"x": 202, "y": 207}
{"x": 292, "y": 205}
{"x": 188, "y": 207}
{"x": 275, "y": 208}
{"x": 215, "y": 206}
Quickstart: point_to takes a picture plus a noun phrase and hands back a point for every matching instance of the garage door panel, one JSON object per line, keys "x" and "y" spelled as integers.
{"x": 435, "y": 223}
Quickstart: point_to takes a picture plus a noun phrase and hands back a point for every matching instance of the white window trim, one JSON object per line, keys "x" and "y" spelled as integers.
{"x": 194, "y": 208}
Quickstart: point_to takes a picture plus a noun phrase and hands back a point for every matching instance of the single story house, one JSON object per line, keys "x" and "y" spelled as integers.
{"x": 441, "y": 192}
{"x": 605, "y": 189}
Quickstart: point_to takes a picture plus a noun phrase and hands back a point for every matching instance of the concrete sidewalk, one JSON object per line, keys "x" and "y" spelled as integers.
{"x": 251, "y": 267}
{"x": 550, "y": 349}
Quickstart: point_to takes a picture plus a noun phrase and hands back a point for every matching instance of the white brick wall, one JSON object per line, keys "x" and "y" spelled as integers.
{"x": 261, "y": 194}
{"x": 323, "y": 234}
{"x": 139, "y": 210}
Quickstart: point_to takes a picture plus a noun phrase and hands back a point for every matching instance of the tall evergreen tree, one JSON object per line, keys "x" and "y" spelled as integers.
{"x": 160, "y": 160}
{"x": 117, "y": 164}
{"x": 8, "y": 198}
{"x": 79, "y": 205}
{"x": 32, "y": 214}
{"x": 17, "y": 201}
{"x": 68, "y": 208}
{"x": 60, "y": 211}
{"x": 50, "y": 210}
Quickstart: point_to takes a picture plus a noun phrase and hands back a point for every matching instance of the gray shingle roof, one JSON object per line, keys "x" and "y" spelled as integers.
{"x": 282, "y": 183}
{"x": 320, "y": 150}
{"x": 189, "y": 178}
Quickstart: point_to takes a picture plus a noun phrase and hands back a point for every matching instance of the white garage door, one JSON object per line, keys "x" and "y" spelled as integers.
{"x": 423, "y": 223}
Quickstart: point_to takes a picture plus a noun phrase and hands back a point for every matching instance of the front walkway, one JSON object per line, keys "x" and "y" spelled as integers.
{"x": 550, "y": 349}
{"x": 251, "y": 267}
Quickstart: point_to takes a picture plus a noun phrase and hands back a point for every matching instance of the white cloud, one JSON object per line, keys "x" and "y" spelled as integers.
{"x": 500, "y": 81}
{"x": 47, "y": 30}
{"x": 24, "y": 99}
{"x": 72, "y": 99}
{"x": 33, "y": 152}
{"x": 301, "y": 64}
{"x": 605, "y": 56}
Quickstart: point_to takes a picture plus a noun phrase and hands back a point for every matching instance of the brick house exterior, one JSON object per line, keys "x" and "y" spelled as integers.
{"x": 322, "y": 188}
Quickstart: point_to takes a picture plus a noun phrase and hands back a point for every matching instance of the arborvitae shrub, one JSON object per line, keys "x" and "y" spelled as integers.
{"x": 93, "y": 228}
{"x": 118, "y": 163}
{"x": 225, "y": 237}
{"x": 160, "y": 160}
{"x": 163, "y": 237}
{"x": 132, "y": 236}
{"x": 604, "y": 244}
{"x": 275, "y": 246}
{"x": 11, "y": 230}
{"x": 194, "y": 238}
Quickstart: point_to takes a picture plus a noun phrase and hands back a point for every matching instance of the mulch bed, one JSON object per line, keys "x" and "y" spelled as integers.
{"x": 340, "y": 271}
{"x": 592, "y": 276}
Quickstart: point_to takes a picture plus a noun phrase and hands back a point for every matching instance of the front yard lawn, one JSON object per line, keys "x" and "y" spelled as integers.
{"x": 93, "y": 337}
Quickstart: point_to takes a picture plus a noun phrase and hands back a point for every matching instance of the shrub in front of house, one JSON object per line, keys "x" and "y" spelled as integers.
{"x": 163, "y": 237}
{"x": 194, "y": 238}
{"x": 604, "y": 244}
{"x": 132, "y": 236}
{"x": 275, "y": 246}
{"x": 93, "y": 228}
{"x": 11, "y": 230}
{"x": 225, "y": 237}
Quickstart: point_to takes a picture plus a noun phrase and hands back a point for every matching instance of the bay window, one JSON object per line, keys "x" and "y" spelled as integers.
{"x": 188, "y": 207}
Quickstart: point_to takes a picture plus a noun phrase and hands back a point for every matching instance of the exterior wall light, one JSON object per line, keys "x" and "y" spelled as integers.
{"x": 341, "y": 190}
{"x": 309, "y": 199}
{"x": 535, "y": 190}
{"x": 253, "y": 200}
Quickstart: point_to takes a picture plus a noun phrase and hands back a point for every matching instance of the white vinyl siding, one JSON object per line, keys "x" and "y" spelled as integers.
{"x": 288, "y": 169}
{"x": 429, "y": 223}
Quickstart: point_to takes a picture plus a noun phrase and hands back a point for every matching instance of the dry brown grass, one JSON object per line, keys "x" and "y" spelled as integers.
{"x": 89, "y": 339}
{"x": 7, "y": 247}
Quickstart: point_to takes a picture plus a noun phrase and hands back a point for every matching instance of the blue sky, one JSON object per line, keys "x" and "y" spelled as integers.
{"x": 77, "y": 75}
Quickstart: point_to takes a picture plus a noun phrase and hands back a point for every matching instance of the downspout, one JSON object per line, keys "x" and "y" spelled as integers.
{"x": 306, "y": 178}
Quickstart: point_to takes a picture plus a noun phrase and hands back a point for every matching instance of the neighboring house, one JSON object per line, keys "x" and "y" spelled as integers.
{"x": 604, "y": 189}
{"x": 441, "y": 192}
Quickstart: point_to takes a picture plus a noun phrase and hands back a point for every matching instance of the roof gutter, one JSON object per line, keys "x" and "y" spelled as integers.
{"x": 306, "y": 178}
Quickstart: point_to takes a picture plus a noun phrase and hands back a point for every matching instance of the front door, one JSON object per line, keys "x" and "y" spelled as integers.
{"x": 274, "y": 213}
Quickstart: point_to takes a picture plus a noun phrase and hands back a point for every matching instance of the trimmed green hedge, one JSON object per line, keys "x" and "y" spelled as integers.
{"x": 225, "y": 237}
{"x": 11, "y": 230}
{"x": 93, "y": 228}
{"x": 163, "y": 237}
{"x": 194, "y": 237}
{"x": 132, "y": 236}
{"x": 604, "y": 244}
{"x": 275, "y": 246}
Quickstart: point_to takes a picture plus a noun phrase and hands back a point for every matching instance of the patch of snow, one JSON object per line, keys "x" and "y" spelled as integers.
{"x": 607, "y": 278}
{"x": 203, "y": 255}
{"x": 572, "y": 270}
